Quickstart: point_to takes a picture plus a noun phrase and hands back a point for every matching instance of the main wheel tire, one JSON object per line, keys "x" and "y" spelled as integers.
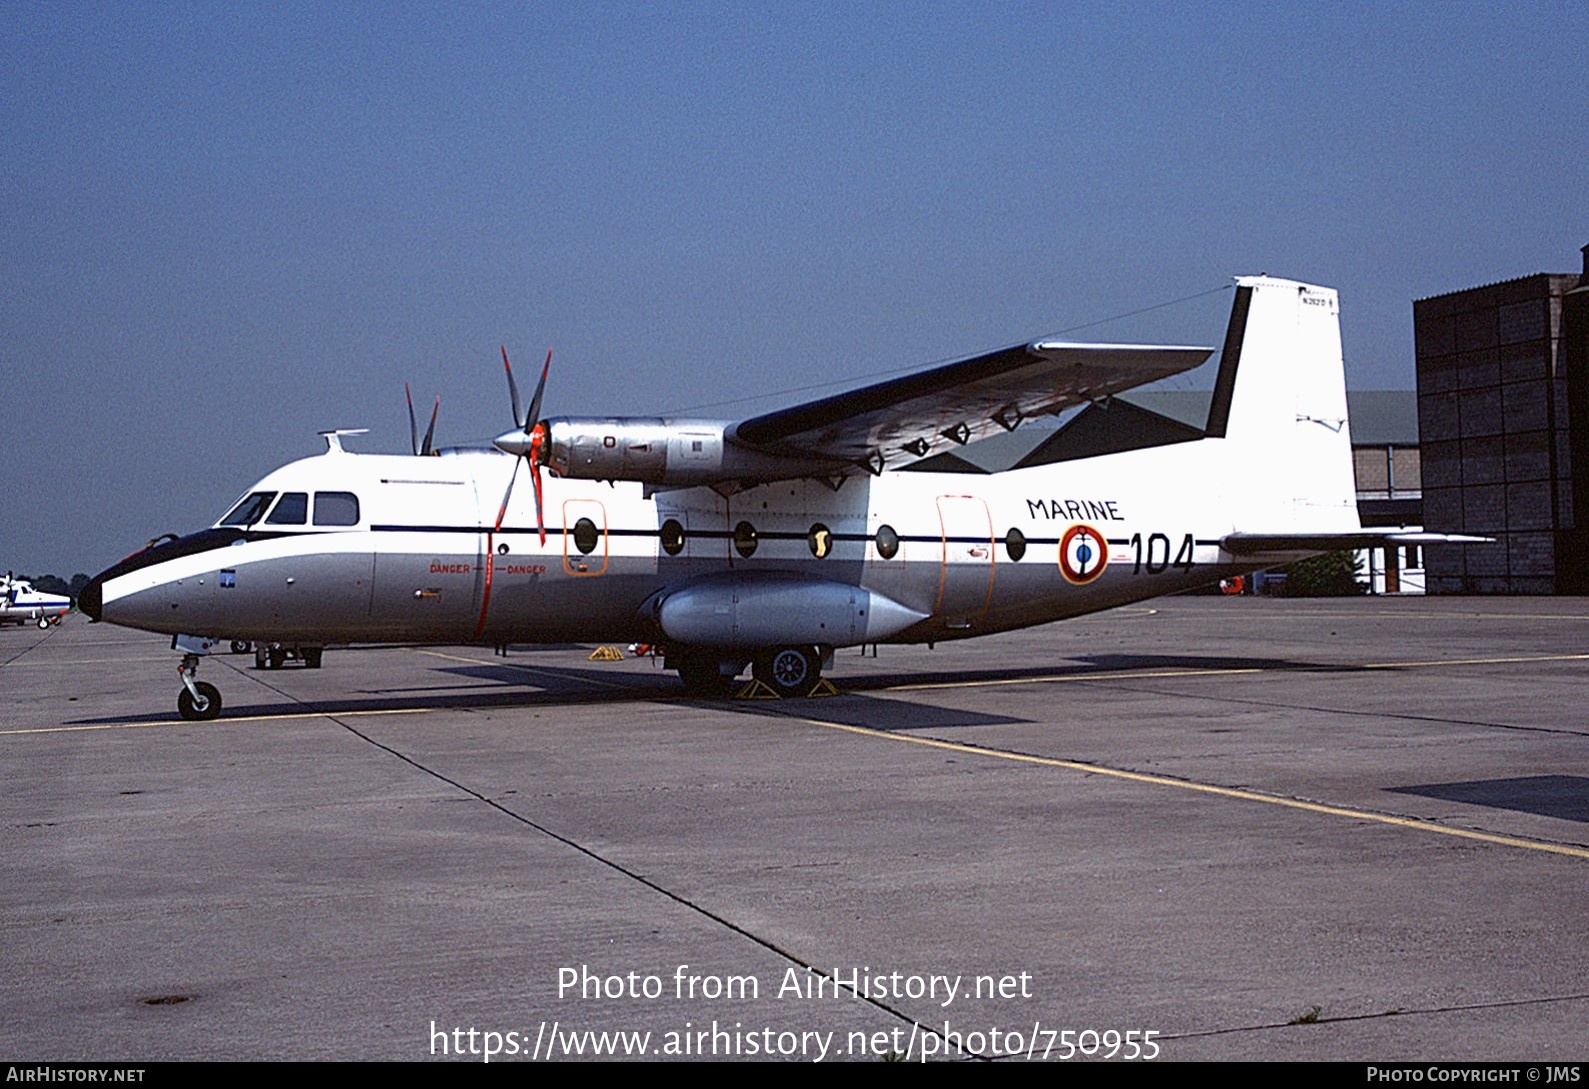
{"x": 202, "y": 709}
{"x": 703, "y": 679}
{"x": 789, "y": 671}
{"x": 44, "y": 623}
{"x": 276, "y": 657}
{"x": 240, "y": 646}
{"x": 311, "y": 657}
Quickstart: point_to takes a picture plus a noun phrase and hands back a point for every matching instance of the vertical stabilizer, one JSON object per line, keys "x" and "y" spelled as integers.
{"x": 1280, "y": 405}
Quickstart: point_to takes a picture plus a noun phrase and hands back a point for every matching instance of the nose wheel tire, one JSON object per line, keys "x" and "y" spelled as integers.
{"x": 201, "y": 708}
{"x": 789, "y": 671}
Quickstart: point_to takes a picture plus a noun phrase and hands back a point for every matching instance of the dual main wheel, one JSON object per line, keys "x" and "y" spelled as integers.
{"x": 274, "y": 657}
{"x": 788, "y": 671}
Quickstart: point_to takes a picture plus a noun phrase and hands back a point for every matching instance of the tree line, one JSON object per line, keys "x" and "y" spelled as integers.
{"x": 54, "y": 584}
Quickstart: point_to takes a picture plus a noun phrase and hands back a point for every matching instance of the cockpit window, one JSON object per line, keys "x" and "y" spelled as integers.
{"x": 336, "y": 509}
{"x": 292, "y": 509}
{"x": 249, "y": 511}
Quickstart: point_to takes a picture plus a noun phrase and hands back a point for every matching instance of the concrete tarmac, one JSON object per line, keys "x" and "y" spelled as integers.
{"x": 1254, "y": 829}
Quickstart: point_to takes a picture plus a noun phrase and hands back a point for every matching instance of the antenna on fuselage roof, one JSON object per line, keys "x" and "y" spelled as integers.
{"x": 334, "y": 438}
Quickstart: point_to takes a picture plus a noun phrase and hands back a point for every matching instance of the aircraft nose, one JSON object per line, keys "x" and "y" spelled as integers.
{"x": 91, "y": 599}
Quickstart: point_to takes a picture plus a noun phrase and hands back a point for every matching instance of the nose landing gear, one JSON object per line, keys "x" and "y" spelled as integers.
{"x": 199, "y": 701}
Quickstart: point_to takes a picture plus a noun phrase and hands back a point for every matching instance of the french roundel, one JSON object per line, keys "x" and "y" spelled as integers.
{"x": 1083, "y": 554}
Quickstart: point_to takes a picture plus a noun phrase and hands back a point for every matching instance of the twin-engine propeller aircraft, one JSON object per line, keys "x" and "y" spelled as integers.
{"x": 773, "y": 540}
{"x": 20, "y": 603}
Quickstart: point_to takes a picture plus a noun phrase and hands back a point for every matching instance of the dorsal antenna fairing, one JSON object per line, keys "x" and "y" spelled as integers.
{"x": 334, "y": 438}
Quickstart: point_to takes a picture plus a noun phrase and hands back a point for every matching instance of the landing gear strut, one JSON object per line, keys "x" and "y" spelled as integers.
{"x": 199, "y": 701}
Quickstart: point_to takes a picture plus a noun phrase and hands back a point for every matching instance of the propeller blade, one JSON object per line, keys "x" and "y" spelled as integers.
{"x": 430, "y": 432}
{"x": 485, "y": 593}
{"x": 413, "y": 425}
{"x": 513, "y": 387}
{"x": 503, "y": 509}
{"x": 534, "y": 415}
{"x": 533, "y": 437}
{"x": 537, "y": 437}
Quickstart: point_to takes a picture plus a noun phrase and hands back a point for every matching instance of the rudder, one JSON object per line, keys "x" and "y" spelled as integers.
{"x": 1280, "y": 404}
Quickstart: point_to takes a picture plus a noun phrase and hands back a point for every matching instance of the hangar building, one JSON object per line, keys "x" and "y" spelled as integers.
{"x": 1503, "y": 415}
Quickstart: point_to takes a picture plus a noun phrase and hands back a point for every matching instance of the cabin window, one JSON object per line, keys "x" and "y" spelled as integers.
{"x": 887, "y": 542}
{"x": 820, "y": 540}
{"x": 586, "y": 535}
{"x": 745, "y": 539}
{"x": 1015, "y": 544}
{"x": 249, "y": 511}
{"x": 292, "y": 509}
{"x": 336, "y": 509}
{"x": 672, "y": 537}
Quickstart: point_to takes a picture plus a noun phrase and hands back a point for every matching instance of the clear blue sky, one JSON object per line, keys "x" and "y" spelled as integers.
{"x": 226, "y": 227}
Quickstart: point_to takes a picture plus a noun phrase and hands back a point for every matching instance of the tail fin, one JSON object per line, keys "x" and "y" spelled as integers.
{"x": 1280, "y": 404}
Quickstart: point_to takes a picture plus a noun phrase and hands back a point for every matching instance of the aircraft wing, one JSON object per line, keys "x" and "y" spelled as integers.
{"x": 903, "y": 419}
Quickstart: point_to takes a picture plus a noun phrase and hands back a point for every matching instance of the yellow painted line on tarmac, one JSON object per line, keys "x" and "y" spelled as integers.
{"x": 72, "y": 663}
{"x": 473, "y": 661}
{"x": 227, "y": 721}
{"x": 1478, "y": 661}
{"x": 1205, "y": 788}
{"x": 215, "y": 721}
{"x": 1475, "y": 616}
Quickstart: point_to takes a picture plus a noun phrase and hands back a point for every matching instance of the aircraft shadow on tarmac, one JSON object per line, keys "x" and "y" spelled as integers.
{"x": 875, "y": 713}
{"x": 1078, "y": 667}
{"x": 543, "y": 685}
{"x": 1565, "y": 797}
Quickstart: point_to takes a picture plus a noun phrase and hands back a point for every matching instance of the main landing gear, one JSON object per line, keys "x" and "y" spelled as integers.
{"x": 791, "y": 672}
{"x": 276, "y": 655}
{"x": 788, "y": 671}
{"x": 199, "y": 701}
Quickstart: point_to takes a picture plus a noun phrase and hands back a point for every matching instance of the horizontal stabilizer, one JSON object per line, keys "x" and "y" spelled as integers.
{"x": 1250, "y": 544}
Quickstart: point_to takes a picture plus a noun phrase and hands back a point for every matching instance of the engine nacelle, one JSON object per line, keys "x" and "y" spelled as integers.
{"x": 649, "y": 450}
{"x": 664, "y": 452}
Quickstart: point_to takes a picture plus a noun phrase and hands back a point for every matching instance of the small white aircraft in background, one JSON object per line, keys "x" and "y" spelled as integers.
{"x": 771, "y": 541}
{"x": 20, "y": 603}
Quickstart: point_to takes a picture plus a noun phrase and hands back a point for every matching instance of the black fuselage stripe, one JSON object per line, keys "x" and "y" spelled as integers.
{"x": 143, "y": 559}
{"x": 697, "y": 534}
